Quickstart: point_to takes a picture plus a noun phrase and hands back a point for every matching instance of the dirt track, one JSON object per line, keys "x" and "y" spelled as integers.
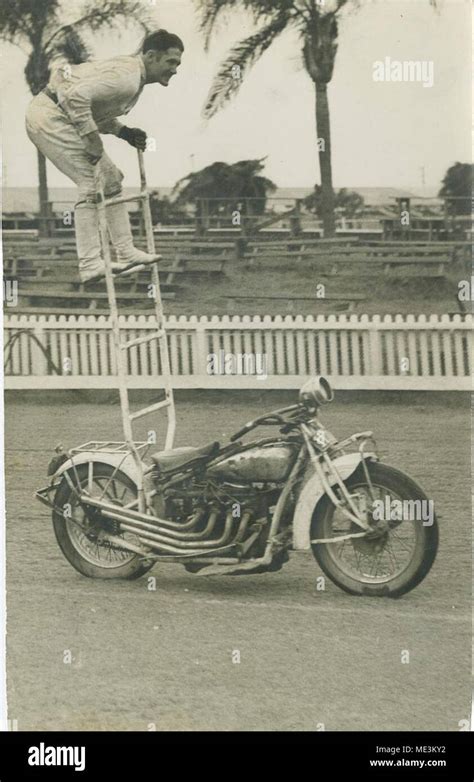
{"x": 164, "y": 658}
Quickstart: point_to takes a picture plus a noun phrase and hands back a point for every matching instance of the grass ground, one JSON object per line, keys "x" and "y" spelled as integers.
{"x": 384, "y": 295}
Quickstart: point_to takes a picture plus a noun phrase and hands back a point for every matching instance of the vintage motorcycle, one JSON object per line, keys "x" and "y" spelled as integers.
{"x": 242, "y": 507}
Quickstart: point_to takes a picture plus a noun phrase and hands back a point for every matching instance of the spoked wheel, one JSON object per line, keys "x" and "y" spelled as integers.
{"x": 83, "y": 537}
{"x": 400, "y": 551}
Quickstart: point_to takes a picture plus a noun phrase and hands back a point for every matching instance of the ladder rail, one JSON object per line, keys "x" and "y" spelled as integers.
{"x": 121, "y": 347}
{"x": 165, "y": 360}
{"x": 120, "y": 360}
{"x": 164, "y": 350}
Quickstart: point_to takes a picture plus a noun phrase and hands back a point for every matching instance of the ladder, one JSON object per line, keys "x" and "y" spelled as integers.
{"x": 121, "y": 345}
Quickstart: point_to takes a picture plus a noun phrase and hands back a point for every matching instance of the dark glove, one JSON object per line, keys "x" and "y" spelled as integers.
{"x": 134, "y": 136}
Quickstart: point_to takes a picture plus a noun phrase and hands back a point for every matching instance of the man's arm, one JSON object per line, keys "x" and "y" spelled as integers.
{"x": 112, "y": 126}
{"x": 77, "y": 98}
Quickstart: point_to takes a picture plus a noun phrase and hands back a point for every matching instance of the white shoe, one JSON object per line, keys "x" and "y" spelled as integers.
{"x": 96, "y": 270}
{"x": 118, "y": 223}
{"x": 134, "y": 259}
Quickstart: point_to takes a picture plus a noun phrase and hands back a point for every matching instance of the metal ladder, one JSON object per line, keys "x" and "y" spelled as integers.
{"x": 122, "y": 346}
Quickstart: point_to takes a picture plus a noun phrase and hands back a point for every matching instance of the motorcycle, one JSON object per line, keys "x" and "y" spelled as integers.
{"x": 240, "y": 508}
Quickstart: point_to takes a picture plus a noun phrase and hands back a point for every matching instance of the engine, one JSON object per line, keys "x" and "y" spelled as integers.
{"x": 228, "y": 504}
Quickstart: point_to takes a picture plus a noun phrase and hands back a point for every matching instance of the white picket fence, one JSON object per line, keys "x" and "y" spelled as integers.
{"x": 353, "y": 351}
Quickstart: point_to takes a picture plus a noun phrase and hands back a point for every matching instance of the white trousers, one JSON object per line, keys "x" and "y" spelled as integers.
{"x": 50, "y": 129}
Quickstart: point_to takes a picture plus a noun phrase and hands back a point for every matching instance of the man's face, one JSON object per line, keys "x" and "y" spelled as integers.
{"x": 161, "y": 66}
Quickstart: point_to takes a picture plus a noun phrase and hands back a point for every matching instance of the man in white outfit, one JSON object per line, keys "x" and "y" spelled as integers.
{"x": 65, "y": 121}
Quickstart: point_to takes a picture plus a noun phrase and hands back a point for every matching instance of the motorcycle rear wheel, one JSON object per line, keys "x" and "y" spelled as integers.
{"x": 80, "y": 541}
{"x": 350, "y": 564}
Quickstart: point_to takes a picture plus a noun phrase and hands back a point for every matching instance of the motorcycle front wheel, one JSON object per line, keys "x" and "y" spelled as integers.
{"x": 83, "y": 539}
{"x": 390, "y": 562}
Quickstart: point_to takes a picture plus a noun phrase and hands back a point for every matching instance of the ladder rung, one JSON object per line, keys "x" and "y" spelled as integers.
{"x": 125, "y": 199}
{"x": 140, "y": 340}
{"x": 150, "y": 409}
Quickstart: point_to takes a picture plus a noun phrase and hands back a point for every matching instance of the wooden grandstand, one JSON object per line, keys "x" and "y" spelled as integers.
{"x": 45, "y": 271}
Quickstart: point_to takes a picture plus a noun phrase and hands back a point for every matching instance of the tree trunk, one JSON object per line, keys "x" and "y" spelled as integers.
{"x": 323, "y": 131}
{"x": 43, "y": 194}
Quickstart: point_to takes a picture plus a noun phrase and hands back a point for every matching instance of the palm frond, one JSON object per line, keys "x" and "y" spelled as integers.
{"x": 110, "y": 14}
{"x": 243, "y": 55}
{"x": 71, "y": 46}
{"x": 211, "y": 10}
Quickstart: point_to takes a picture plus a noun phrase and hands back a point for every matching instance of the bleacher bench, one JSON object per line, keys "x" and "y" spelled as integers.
{"x": 27, "y": 297}
{"x": 348, "y": 300}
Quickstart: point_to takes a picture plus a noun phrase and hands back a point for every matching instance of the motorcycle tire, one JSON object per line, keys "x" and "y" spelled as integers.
{"x": 74, "y": 543}
{"x": 425, "y": 548}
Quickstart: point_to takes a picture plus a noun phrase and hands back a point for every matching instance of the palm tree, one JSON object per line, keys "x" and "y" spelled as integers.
{"x": 38, "y": 25}
{"x": 457, "y": 188}
{"x": 316, "y": 22}
{"x": 222, "y": 188}
{"x": 347, "y": 200}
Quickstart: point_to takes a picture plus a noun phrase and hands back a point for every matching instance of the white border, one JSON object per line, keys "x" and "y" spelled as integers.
{"x": 3, "y": 548}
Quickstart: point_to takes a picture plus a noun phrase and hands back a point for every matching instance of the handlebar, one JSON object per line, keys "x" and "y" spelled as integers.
{"x": 270, "y": 419}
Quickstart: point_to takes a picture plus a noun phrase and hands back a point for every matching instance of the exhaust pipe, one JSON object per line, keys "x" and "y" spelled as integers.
{"x": 192, "y": 555}
{"x": 243, "y": 526}
{"x": 110, "y": 511}
{"x": 172, "y": 537}
{"x": 183, "y": 544}
{"x": 152, "y": 535}
{"x": 126, "y": 544}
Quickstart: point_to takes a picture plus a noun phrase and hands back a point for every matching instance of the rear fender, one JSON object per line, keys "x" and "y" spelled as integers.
{"x": 125, "y": 464}
{"x": 312, "y": 492}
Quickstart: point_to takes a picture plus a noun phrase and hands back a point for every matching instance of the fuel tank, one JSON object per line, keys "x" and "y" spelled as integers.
{"x": 259, "y": 462}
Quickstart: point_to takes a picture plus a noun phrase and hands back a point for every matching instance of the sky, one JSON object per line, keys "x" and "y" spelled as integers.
{"x": 384, "y": 133}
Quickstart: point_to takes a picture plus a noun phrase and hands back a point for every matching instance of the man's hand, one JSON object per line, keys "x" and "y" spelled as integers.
{"x": 134, "y": 136}
{"x": 94, "y": 147}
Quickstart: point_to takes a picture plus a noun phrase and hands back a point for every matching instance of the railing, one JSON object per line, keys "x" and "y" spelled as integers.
{"x": 430, "y": 218}
{"x": 355, "y": 352}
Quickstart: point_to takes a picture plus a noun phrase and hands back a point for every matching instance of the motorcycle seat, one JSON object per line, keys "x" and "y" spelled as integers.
{"x": 179, "y": 457}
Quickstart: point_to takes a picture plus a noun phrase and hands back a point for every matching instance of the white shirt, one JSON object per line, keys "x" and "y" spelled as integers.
{"x": 94, "y": 93}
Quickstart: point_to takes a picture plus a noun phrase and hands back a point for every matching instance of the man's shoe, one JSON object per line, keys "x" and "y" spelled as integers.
{"x": 139, "y": 262}
{"x": 96, "y": 271}
{"x": 136, "y": 256}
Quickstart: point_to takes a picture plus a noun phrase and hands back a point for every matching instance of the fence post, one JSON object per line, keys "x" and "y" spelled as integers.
{"x": 201, "y": 362}
{"x": 295, "y": 219}
{"x": 39, "y": 362}
{"x": 375, "y": 346}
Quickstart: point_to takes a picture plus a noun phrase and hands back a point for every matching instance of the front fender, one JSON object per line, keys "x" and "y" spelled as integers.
{"x": 312, "y": 492}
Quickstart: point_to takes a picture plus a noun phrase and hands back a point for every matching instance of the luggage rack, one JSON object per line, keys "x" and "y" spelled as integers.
{"x": 108, "y": 446}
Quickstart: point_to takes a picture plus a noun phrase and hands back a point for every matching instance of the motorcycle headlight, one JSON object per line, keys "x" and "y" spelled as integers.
{"x": 316, "y": 392}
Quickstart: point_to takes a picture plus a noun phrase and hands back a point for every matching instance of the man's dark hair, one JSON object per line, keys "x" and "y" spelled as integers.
{"x": 161, "y": 41}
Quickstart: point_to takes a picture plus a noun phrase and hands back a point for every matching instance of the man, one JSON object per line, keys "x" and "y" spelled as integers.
{"x": 65, "y": 122}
